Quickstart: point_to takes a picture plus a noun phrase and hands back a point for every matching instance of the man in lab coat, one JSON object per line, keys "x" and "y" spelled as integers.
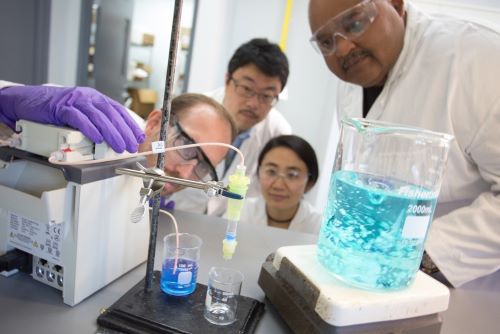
{"x": 103, "y": 119}
{"x": 257, "y": 73}
{"x": 403, "y": 66}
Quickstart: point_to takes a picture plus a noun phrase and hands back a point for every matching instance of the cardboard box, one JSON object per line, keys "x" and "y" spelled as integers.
{"x": 148, "y": 39}
{"x": 143, "y": 101}
{"x": 142, "y": 38}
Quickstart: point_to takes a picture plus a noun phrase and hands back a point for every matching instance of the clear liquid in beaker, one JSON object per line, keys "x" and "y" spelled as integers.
{"x": 220, "y": 313}
{"x": 374, "y": 230}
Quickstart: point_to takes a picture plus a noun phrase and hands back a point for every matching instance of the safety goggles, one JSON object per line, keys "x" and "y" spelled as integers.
{"x": 203, "y": 167}
{"x": 291, "y": 176}
{"x": 350, "y": 24}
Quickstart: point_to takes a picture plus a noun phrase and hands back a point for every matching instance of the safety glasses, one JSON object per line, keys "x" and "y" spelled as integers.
{"x": 203, "y": 167}
{"x": 291, "y": 176}
{"x": 350, "y": 24}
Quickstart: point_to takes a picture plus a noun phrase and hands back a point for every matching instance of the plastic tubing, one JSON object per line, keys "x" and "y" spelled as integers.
{"x": 53, "y": 159}
{"x": 171, "y": 216}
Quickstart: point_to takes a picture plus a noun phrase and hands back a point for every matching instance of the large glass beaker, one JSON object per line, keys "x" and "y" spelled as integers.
{"x": 383, "y": 192}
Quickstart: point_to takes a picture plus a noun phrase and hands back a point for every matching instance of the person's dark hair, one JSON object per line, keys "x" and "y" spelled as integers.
{"x": 267, "y": 56}
{"x": 298, "y": 145}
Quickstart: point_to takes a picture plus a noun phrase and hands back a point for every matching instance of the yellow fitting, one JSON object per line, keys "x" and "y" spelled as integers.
{"x": 228, "y": 248}
{"x": 238, "y": 183}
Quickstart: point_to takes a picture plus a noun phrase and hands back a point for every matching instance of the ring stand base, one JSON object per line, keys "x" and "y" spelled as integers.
{"x": 140, "y": 312}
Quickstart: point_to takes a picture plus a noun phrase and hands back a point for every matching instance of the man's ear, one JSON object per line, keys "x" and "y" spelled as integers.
{"x": 399, "y": 6}
{"x": 227, "y": 77}
{"x": 153, "y": 123}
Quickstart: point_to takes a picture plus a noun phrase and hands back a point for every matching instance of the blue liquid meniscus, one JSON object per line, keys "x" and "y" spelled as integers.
{"x": 183, "y": 282}
{"x": 374, "y": 229}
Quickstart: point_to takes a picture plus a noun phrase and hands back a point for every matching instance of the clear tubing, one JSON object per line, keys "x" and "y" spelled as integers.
{"x": 55, "y": 161}
{"x": 229, "y": 243}
{"x": 176, "y": 237}
{"x": 232, "y": 225}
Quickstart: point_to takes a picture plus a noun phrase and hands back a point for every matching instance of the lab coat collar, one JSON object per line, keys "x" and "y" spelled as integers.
{"x": 241, "y": 137}
{"x": 412, "y": 38}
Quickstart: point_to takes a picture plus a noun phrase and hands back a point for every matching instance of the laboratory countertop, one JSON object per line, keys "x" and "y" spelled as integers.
{"x": 27, "y": 306}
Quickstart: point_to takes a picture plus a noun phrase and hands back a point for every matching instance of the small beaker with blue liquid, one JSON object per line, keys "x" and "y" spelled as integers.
{"x": 180, "y": 264}
{"x": 382, "y": 196}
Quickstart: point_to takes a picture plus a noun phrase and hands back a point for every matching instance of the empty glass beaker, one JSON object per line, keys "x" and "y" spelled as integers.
{"x": 382, "y": 196}
{"x": 180, "y": 265}
{"x": 221, "y": 303}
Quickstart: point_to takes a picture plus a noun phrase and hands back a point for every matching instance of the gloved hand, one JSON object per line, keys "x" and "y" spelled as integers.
{"x": 97, "y": 116}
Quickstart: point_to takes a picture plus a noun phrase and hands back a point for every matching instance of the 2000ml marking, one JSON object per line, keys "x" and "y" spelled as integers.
{"x": 415, "y": 209}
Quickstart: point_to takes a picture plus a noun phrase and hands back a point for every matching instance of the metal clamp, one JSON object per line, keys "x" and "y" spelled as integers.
{"x": 154, "y": 179}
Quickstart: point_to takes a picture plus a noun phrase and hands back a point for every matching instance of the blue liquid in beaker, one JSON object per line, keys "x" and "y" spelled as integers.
{"x": 374, "y": 230}
{"x": 183, "y": 282}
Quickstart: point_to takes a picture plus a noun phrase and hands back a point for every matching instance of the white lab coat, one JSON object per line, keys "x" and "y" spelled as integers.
{"x": 306, "y": 220}
{"x": 447, "y": 79}
{"x": 273, "y": 125}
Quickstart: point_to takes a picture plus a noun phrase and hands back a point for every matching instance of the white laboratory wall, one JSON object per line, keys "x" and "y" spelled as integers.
{"x": 64, "y": 38}
{"x": 212, "y": 44}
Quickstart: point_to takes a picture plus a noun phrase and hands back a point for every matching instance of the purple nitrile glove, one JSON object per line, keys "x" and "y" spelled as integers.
{"x": 97, "y": 116}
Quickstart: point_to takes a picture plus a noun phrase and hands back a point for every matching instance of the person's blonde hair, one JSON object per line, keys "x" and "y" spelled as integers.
{"x": 183, "y": 102}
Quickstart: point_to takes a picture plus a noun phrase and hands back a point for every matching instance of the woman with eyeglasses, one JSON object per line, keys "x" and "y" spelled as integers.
{"x": 287, "y": 168}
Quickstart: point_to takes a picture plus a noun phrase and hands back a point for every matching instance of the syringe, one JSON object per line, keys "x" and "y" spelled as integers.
{"x": 238, "y": 184}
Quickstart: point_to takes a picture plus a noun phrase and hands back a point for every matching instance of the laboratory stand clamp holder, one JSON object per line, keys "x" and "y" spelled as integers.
{"x": 154, "y": 180}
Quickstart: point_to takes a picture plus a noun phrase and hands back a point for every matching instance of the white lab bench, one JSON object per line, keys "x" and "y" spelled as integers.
{"x": 27, "y": 306}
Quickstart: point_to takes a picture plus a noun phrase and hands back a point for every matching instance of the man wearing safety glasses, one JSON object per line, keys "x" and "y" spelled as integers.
{"x": 190, "y": 114}
{"x": 400, "y": 65}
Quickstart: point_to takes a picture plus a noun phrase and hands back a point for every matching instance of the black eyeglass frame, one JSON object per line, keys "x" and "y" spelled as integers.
{"x": 204, "y": 158}
{"x": 252, "y": 93}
